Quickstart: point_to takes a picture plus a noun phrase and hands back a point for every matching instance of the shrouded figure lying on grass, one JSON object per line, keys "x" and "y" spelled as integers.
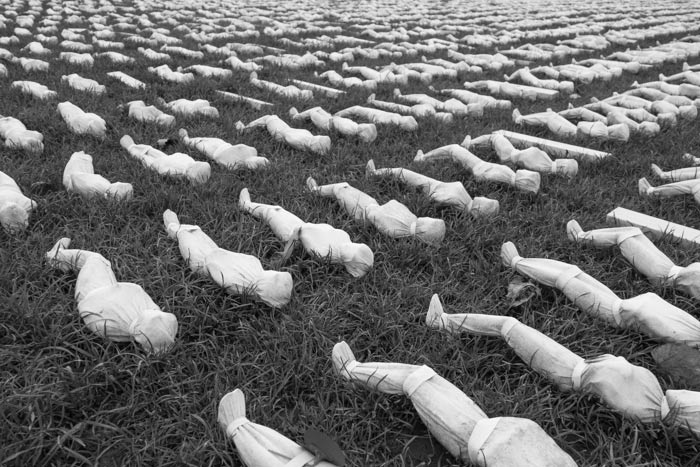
{"x": 642, "y": 254}
{"x": 684, "y": 89}
{"x": 453, "y": 418}
{"x": 651, "y": 94}
{"x": 562, "y": 127}
{"x": 17, "y": 136}
{"x": 637, "y": 120}
{"x": 34, "y": 89}
{"x": 119, "y": 311}
{"x": 526, "y": 77}
{"x": 384, "y": 76}
{"x": 297, "y": 138}
{"x": 320, "y": 240}
{"x": 80, "y": 83}
{"x": 238, "y": 273}
{"x": 531, "y": 158}
{"x": 231, "y": 156}
{"x": 393, "y": 219}
{"x": 190, "y": 108}
{"x": 452, "y": 106}
{"x": 510, "y": 90}
{"x": 669, "y": 190}
{"x": 524, "y": 180}
{"x": 176, "y": 165}
{"x": 14, "y": 206}
{"x": 139, "y": 111}
{"x": 626, "y": 388}
{"x": 380, "y": 117}
{"x": 289, "y": 92}
{"x": 367, "y": 132}
{"x": 443, "y": 193}
{"x": 258, "y": 445}
{"x": 79, "y": 177}
{"x": 469, "y": 97}
{"x": 336, "y": 79}
{"x": 417, "y": 110}
{"x": 80, "y": 122}
{"x": 647, "y": 313}
{"x": 677, "y": 175}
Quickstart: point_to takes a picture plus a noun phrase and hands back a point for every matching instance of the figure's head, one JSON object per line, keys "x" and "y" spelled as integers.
{"x": 408, "y": 123}
{"x": 688, "y": 280}
{"x": 484, "y": 207}
{"x": 430, "y": 230}
{"x": 13, "y": 218}
{"x": 357, "y": 258}
{"x": 274, "y": 288}
{"x": 619, "y": 132}
{"x": 367, "y": 132}
{"x": 155, "y": 330}
{"x": 199, "y": 172}
{"x": 527, "y": 180}
{"x": 566, "y": 167}
{"x": 688, "y": 112}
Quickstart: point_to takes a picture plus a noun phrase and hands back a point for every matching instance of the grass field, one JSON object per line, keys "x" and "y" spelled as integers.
{"x": 68, "y": 397}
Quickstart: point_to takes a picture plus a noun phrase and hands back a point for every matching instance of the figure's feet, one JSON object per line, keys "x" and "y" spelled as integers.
{"x": 435, "y": 311}
{"x": 517, "y": 117}
{"x": 573, "y": 229}
{"x": 420, "y": 156}
{"x": 244, "y": 199}
{"x": 311, "y": 184}
{"x": 182, "y": 134}
{"x": 52, "y": 255}
{"x": 370, "y": 169}
{"x": 126, "y": 141}
{"x": 645, "y": 188}
{"x": 657, "y": 171}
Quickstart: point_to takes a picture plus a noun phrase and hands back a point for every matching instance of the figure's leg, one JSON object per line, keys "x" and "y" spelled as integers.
{"x": 602, "y": 238}
{"x": 668, "y": 190}
{"x": 678, "y": 175}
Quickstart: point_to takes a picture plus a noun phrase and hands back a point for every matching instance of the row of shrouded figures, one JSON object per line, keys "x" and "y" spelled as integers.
{"x": 122, "y": 311}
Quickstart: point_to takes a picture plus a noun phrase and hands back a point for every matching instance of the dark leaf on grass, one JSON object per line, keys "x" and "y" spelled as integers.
{"x": 680, "y": 362}
{"x": 324, "y": 447}
{"x": 520, "y": 291}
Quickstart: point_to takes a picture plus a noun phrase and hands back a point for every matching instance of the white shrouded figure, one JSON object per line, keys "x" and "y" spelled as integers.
{"x": 297, "y": 138}
{"x": 516, "y": 91}
{"x": 367, "y": 132}
{"x": 238, "y": 273}
{"x": 127, "y": 80}
{"x": 119, "y": 311}
{"x": 80, "y": 122}
{"x": 14, "y": 206}
{"x": 258, "y": 445}
{"x": 629, "y": 389}
{"x": 524, "y": 75}
{"x": 320, "y": 240}
{"x": 177, "y": 165}
{"x": 469, "y": 97}
{"x": 190, "y": 108}
{"x": 138, "y": 110}
{"x": 454, "y": 419}
{"x": 552, "y": 120}
{"x": 231, "y": 156}
{"x": 642, "y": 254}
{"x": 647, "y": 313}
{"x": 336, "y": 79}
{"x": 34, "y": 89}
{"x": 380, "y": 117}
{"x": 289, "y": 92}
{"x": 392, "y": 218}
{"x": 670, "y": 190}
{"x": 443, "y": 193}
{"x": 383, "y": 76}
{"x": 17, "y": 136}
{"x": 676, "y": 175}
{"x": 452, "y": 106}
{"x": 79, "y": 177}
{"x": 531, "y": 158}
{"x": 524, "y": 180}
{"x": 417, "y": 110}
{"x": 80, "y": 83}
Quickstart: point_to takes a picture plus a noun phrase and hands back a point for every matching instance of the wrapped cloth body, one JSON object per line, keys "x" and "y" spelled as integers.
{"x": 643, "y": 255}
{"x": 392, "y": 218}
{"x": 139, "y": 111}
{"x": 80, "y": 83}
{"x": 119, "y": 311}
{"x": 367, "y": 132}
{"x": 469, "y": 97}
{"x": 380, "y": 117}
{"x": 297, "y": 138}
{"x": 34, "y": 89}
{"x": 648, "y": 313}
{"x": 416, "y": 110}
{"x": 552, "y": 120}
{"x": 17, "y": 136}
{"x": 524, "y": 180}
{"x": 190, "y": 108}
{"x": 531, "y": 158}
{"x": 176, "y": 165}
{"x": 14, "y": 206}
{"x": 80, "y": 122}
{"x": 629, "y": 389}
{"x": 321, "y": 240}
{"x": 230, "y": 156}
{"x": 443, "y": 193}
{"x": 453, "y": 418}
{"x": 289, "y": 92}
{"x": 258, "y": 445}
{"x": 238, "y": 273}
{"x": 79, "y": 177}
